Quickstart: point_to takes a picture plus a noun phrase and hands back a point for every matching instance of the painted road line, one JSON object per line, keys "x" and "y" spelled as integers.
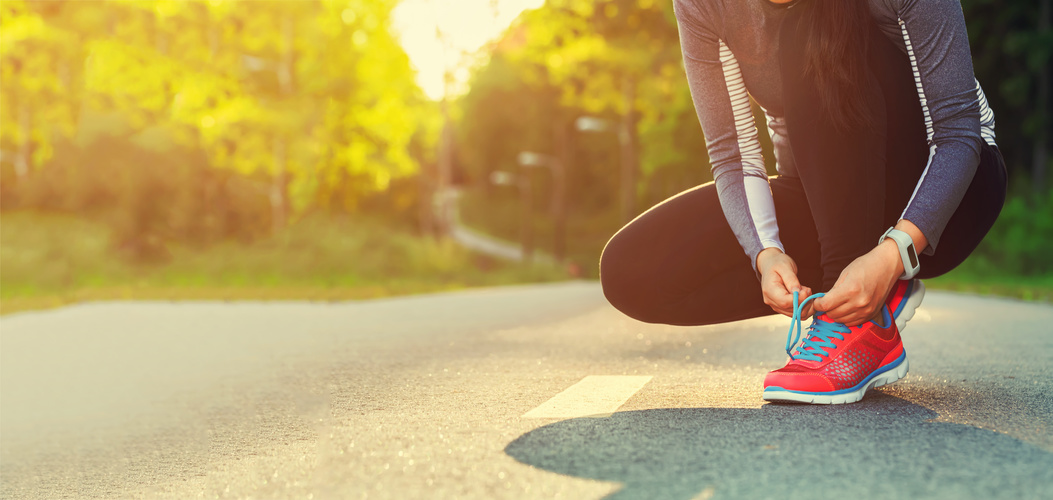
{"x": 595, "y": 395}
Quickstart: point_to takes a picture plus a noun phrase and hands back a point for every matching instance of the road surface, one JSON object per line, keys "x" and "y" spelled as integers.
{"x": 521, "y": 392}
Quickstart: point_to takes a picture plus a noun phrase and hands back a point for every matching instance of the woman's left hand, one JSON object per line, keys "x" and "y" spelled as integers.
{"x": 863, "y": 286}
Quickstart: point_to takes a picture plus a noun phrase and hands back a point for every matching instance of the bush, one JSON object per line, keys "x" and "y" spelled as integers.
{"x": 147, "y": 197}
{"x": 1021, "y": 241}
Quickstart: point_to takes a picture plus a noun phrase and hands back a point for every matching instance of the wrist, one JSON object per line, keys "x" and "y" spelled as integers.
{"x": 889, "y": 253}
{"x": 765, "y": 257}
{"x": 919, "y": 239}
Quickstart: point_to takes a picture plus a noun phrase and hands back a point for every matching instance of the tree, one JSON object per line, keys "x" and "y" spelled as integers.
{"x": 315, "y": 95}
{"x": 39, "y": 85}
{"x": 1012, "y": 46}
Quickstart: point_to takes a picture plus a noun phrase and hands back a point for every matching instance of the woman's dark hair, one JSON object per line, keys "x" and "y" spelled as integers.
{"x": 837, "y": 33}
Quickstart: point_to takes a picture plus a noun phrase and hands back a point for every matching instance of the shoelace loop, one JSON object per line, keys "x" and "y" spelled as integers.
{"x": 820, "y": 332}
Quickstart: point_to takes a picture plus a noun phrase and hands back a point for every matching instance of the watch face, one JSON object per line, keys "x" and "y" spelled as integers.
{"x": 913, "y": 256}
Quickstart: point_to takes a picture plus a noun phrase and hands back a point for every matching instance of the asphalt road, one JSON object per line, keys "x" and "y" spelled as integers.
{"x": 438, "y": 397}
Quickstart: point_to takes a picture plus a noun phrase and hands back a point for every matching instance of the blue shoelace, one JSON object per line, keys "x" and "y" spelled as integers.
{"x": 820, "y": 332}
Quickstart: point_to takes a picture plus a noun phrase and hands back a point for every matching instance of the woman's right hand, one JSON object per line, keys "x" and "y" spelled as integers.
{"x": 779, "y": 280}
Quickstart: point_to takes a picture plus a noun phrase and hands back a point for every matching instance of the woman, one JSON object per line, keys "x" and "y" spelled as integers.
{"x": 888, "y": 172}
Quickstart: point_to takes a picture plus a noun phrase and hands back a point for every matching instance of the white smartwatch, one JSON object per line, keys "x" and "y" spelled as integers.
{"x": 906, "y": 251}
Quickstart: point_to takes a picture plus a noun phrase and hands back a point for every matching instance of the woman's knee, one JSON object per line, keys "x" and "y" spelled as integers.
{"x": 623, "y": 283}
{"x": 614, "y": 272}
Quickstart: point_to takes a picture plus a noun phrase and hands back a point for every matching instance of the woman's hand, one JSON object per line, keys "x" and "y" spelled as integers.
{"x": 779, "y": 281}
{"x": 863, "y": 286}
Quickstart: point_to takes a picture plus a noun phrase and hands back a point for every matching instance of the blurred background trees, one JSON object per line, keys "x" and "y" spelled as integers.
{"x": 188, "y": 124}
{"x": 186, "y": 115}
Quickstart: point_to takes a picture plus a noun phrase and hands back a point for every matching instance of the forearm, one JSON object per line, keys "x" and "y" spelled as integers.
{"x": 940, "y": 191}
{"x": 749, "y": 208}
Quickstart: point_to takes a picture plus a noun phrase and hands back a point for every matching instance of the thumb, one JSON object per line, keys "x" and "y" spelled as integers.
{"x": 829, "y": 300}
{"x": 820, "y": 303}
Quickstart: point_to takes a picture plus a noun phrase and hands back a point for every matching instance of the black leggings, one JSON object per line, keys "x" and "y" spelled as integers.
{"x": 679, "y": 263}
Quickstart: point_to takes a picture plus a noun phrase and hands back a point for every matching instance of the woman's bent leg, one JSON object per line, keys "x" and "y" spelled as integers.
{"x": 679, "y": 263}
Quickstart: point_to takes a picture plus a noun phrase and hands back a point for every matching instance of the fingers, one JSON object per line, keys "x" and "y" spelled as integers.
{"x": 775, "y": 296}
{"x": 782, "y": 293}
{"x": 778, "y": 290}
{"x": 778, "y": 283}
{"x": 850, "y": 309}
{"x": 849, "y": 314}
{"x": 789, "y": 279}
{"x": 834, "y": 300}
{"x": 809, "y": 309}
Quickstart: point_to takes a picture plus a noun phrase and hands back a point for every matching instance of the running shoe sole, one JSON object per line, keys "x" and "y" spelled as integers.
{"x": 882, "y": 376}
{"x": 907, "y": 309}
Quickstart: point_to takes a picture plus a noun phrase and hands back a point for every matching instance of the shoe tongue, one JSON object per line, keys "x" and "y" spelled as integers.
{"x": 824, "y": 317}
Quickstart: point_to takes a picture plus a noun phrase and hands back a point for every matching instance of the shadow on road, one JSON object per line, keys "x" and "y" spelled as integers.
{"x": 883, "y": 447}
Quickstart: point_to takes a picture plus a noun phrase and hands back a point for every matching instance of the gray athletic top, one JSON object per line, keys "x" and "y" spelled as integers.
{"x": 731, "y": 52}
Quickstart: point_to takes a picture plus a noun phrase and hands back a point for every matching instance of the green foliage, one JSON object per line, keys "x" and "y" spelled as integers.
{"x": 1010, "y": 52}
{"x": 41, "y": 252}
{"x": 50, "y": 260}
{"x": 149, "y": 198}
{"x": 501, "y": 117}
{"x": 591, "y": 53}
{"x": 1021, "y": 241}
{"x": 587, "y": 231}
{"x": 574, "y": 58}
{"x": 315, "y": 95}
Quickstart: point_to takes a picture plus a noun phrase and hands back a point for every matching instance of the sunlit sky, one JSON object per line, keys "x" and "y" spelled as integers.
{"x": 467, "y": 25}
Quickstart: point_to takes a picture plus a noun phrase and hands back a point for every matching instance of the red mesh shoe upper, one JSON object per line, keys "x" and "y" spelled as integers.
{"x": 853, "y": 364}
{"x": 868, "y": 347}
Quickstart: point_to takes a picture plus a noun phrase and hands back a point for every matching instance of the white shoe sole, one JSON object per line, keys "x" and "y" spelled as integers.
{"x": 911, "y": 306}
{"x": 886, "y": 378}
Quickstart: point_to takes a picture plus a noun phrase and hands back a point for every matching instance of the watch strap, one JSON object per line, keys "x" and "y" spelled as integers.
{"x": 907, "y": 252}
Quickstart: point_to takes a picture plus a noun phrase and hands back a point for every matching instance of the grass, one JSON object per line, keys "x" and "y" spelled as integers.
{"x": 49, "y": 260}
{"x": 965, "y": 279}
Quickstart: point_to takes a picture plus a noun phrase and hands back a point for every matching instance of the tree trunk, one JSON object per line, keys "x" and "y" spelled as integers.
{"x": 526, "y": 235}
{"x": 445, "y": 173}
{"x": 562, "y": 159}
{"x": 279, "y": 183}
{"x": 213, "y": 39}
{"x": 1040, "y": 156}
{"x": 285, "y": 67}
{"x": 25, "y": 146}
{"x": 426, "y": 194}
{"x": 630, "y": 152}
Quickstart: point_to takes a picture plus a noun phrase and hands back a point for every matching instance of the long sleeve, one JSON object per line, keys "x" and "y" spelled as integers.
{"x": 938, "y": 46}
{"x": 723, "y": 108}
